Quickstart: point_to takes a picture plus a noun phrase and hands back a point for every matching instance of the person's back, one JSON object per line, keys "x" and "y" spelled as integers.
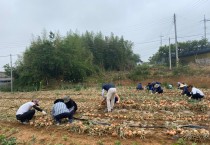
{"x": 111, "y": 92}
{"x": 196, "y": 93}
{"x": 139, "y": 87}
{"x": 59, "y": 108}
{"x": 25, "y": 107}
{"x": 60, "y": 111}
{"x": 107, "y": 86}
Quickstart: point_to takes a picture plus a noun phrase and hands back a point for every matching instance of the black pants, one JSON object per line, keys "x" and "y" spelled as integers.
{"x": 26, "y": 116}
{"x": 115, "y": 99}
{"x": 68, "y": 115}
{"x": 188, "y": 94}
{"x": 197, "y": 96}
{"x": 160, "y": 91}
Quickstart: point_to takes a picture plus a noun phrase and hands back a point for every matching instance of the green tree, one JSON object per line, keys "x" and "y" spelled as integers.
{"x": 72, "y": 58}
{"x": 184, "y": 48}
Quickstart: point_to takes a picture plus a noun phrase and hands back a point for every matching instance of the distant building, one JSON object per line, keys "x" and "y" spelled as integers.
{"x": 4, "y": 79}
{"x": 3, "y": 75}
{"x": 201, "y": 57}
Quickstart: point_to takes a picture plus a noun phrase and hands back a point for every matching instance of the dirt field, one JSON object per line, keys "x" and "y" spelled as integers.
{"x": 140, "y": 118}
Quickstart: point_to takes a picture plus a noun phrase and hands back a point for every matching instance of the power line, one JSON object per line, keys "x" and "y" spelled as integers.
{"x": 9, "y": 55}
{"x": 191, "y": 5}
{"x": 152, "y": 41}
{"x": 147, "y": 42}
{"x": 5, "y": 56}
{"x": 194, "y": 7}
{"x": 135, "y": 29}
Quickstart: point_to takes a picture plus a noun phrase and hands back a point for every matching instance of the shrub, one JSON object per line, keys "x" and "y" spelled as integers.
{"x": 5, "y": 88}
{"x": 182, "y": 70}
{"x": 139, "y": 73}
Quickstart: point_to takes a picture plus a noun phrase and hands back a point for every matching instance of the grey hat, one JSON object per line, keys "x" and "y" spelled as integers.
{"x": 156, "y": 85}
{"x": 66, "y": 99}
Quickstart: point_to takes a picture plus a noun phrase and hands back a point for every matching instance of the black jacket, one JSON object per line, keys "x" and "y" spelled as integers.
{"x": 70, "y": 104}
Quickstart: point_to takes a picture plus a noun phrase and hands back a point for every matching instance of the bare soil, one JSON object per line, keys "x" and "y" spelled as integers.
{"x": 26, "y": 134}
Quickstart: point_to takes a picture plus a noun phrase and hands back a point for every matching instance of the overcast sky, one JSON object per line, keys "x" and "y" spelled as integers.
{"x": 140, "y": 21}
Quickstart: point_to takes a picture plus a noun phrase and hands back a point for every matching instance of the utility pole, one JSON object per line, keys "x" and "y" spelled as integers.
{"x": 169, "y": 54}
{"x": 177, "y": 57}
{"x": 205, "y": 20}
{"x": 11, "y": 73}
{"x": 161, "y": 40}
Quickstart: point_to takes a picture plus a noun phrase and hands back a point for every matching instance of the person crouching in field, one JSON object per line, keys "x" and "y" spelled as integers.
{"x": 196, "y": 93}
{"x": 170, "y": 86}
{"x": 184, "y": 89}
{"x": 26, "y": 113}
{"x": 110, "y": 97}
{"x": 60, "y": 111}
{"x": 158, "y": 89}
{"x": 139, "y": 87}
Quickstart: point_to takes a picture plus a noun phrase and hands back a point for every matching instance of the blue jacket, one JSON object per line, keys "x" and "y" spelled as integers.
{"x": 139, "y": 87}
{"x": 158, "y": 89}
{"x": 150, "y": 87}
{"x": 108, "y": 86}
{"x": 185, "y": 91}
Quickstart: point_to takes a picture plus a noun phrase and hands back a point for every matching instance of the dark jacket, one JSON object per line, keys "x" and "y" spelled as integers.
{"x": 108, "y": 86}
{"x": 70, "y": 104}
{"x": 185, "y": 91}
{"x": 139, "y": 87}
{"x": 159, "y": 90}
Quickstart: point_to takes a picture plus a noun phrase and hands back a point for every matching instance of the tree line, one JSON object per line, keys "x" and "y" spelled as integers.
{"x": 72, "y": 58}
{"x": 184, "y": 48}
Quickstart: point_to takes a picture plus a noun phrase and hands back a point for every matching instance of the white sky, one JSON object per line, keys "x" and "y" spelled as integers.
{"x": 140, "y": 21}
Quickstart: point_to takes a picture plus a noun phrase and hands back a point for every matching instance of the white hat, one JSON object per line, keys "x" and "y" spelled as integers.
{"x": 182, "y": 86}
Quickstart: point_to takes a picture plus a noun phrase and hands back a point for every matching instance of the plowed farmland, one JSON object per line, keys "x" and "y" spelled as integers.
{"x": 140, "y": 118}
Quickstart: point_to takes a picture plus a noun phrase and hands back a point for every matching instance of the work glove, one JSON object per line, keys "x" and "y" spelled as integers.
{"x": 43, "y": 112}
